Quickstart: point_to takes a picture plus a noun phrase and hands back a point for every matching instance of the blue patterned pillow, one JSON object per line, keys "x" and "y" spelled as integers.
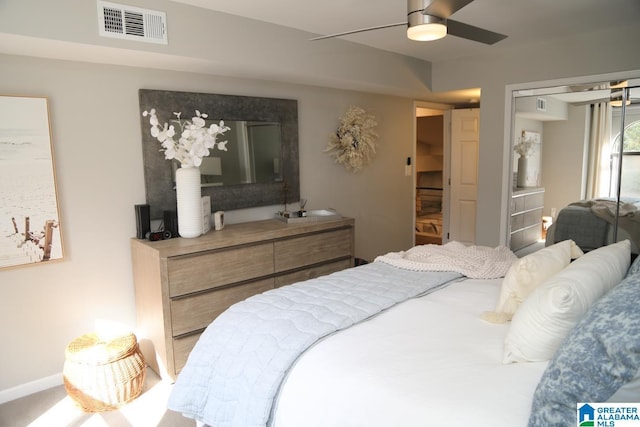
{"x": 600, "y": 356}
{"x": 635, "y": 267}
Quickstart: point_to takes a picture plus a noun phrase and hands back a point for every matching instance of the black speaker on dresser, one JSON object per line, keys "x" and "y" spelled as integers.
{"x": 143, "y": 220}
{"x": 170, "y": 219}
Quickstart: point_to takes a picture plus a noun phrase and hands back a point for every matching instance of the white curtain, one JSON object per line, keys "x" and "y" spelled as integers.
{"x": 599, "y": 151}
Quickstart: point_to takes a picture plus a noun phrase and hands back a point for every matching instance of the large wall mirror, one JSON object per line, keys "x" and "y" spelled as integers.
{"x": 261, "y": 161}
{"x": 575, "y": 152}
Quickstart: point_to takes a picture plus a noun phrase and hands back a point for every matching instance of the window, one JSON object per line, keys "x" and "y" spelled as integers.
{"x": 630, "y": 162}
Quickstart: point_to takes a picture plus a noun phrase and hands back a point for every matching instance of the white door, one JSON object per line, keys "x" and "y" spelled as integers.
{"x": 465, "y": 138}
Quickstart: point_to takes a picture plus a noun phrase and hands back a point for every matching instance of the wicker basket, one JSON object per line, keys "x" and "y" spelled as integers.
{"x": 103, "y": 374}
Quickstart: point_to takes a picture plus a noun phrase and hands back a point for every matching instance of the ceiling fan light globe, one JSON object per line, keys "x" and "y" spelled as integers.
{"x": 427, "y": 32}
{"x": 423, "y": 27}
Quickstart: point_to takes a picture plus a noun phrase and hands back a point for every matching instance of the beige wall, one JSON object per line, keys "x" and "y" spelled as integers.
{"x": 95, "y": 121}
{"x": 563, "y": 159}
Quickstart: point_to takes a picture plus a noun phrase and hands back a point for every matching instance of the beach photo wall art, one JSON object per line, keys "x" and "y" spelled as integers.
{"x": 30, "y": 231}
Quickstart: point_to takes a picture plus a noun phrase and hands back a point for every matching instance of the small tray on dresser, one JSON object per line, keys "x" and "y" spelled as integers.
{"x": 312, "y": 216}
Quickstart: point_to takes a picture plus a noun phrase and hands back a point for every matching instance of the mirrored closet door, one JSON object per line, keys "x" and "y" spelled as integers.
{"x": 575, "y": 165}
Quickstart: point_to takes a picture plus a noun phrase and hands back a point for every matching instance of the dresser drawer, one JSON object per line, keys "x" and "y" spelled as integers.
{"x": 197, "y": 311}
{"x": 533, "y": 217}
{"x": 193, "y": 273}
{"x": 517, "y": 204}
{"x": 517, "y": 240}
{"x": 517, "y": 222}
{"x": 533, "y": 201}
{"x": 312, "y": 273}
{"x": 307, "y": 250}
{"x": 181, "y": 348}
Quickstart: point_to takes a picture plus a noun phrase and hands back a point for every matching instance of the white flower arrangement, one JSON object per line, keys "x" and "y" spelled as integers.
{"x": 353, "y": 145}
{"x": 525, "y": 147}
{"x": 195, "y": 139}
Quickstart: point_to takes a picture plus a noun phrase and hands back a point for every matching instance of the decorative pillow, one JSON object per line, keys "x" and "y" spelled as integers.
{"x": 599, "y": 361}
{"x": 527, "y": 273}
{"x": 545, "y": 318}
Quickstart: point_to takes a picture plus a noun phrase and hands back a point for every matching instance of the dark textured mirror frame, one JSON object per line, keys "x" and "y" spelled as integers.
{"x": 161, "y": 195}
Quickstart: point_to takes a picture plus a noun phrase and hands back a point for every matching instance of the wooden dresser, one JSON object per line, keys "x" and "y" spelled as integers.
{"x": 181, "y": 285}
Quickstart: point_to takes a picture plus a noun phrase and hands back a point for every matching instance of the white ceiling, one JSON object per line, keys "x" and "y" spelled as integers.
{"x": 523, "y": 21}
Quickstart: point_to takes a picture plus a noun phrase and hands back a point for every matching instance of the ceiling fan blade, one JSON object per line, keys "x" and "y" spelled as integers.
{"x": 470, "y": 32}
{"x": 444, "y": 8}
{"x": 362, "y": 30}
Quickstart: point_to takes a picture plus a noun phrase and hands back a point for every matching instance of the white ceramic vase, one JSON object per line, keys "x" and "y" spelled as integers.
{"x": 522, "y": 172}
{"x": 189, "y": 200}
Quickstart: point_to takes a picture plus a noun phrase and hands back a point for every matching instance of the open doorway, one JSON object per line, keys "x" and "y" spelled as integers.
{"x": 429, "y": 176}
{"x": 446, "y": 173}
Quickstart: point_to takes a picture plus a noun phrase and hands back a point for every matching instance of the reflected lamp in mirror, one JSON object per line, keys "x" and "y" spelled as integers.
{"x": 617, "y": 102}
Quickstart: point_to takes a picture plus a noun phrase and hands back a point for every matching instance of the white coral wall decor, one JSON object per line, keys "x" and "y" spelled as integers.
{"x": 354, "y": 143}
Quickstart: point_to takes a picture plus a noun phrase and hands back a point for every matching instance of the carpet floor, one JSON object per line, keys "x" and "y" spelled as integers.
{"x": 53, "y": 408}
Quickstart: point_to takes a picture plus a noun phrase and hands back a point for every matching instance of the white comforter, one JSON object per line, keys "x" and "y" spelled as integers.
{"x": 233, "y": 374}
{"x": 429, "y": 361}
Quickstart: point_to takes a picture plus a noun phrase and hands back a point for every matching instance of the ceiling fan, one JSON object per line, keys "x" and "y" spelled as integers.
{"x": 429, "y": 20}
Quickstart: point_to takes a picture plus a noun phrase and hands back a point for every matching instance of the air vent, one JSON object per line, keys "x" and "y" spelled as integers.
{"x": 132, "y": 23}
{"x": 541, "y": 104}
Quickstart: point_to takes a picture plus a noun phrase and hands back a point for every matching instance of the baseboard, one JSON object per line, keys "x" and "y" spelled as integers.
{"x": 30, "y": 388}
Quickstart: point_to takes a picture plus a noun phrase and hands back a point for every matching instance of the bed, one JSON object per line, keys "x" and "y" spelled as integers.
{"x": 590, "y": 223}
{"x": 408, "y": 340}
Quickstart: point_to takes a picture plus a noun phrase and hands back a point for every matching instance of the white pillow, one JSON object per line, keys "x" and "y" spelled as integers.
{"x": 545, "y": 318}
{"x": 527, "y": 273}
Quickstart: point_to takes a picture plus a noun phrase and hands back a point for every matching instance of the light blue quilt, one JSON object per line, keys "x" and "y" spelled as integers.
{"x": 235, "y": 370}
